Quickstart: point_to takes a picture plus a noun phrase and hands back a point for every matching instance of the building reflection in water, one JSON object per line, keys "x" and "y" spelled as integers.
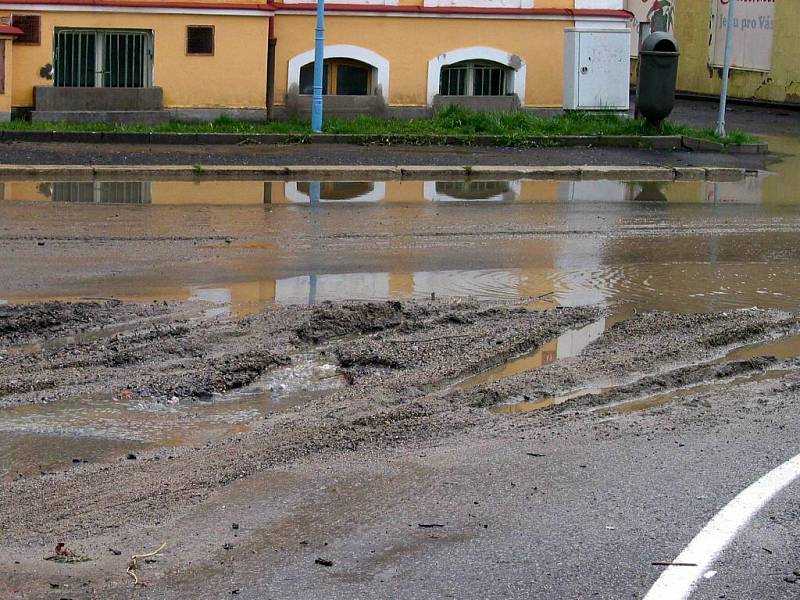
{"x": 751, "y": 190}
{"x": 461, "y": 191}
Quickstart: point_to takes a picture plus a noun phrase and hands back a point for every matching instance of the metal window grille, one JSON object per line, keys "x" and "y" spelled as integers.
{"x": 489, "y": 81}
{"x": 474, "y": 79}
{"x": 31, "y": 26}
{"x": 101, "y": 192}
{"x": 199, "y": 39}
{"x": 453, "y": 81}
{"x": 105, "y": 58}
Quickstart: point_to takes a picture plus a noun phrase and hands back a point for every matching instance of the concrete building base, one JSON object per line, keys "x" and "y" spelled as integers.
{"x": 299, "y": 106}
{"x": 150, "y": 117}
{"x": 5, "y": 116}
{"x": 478, "y": 103}
{"x": 49, "y": 98}
{"x": 206, "y": 115}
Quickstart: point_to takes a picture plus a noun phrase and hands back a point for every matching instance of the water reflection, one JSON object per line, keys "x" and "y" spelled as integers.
{"x": 52, "y": 436}
{"x": 304, "y": 192}
{"x": 461, "y": 191}
{"x": 566, "y": 345}
{"x": 751, "y": 190}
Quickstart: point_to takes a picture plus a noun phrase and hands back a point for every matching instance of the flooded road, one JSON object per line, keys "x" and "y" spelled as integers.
{"x": 168, "y": 420}
{"x": 692, "y": 245}
{"x": 239, "y": 246}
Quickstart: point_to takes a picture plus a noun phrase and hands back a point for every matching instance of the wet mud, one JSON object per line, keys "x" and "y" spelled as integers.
{"x": 399, "y": 369}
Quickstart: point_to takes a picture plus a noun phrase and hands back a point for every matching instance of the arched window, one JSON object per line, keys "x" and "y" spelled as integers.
{"x": 476, "y": 78}
{"x": 474, "y": 190}
{"x": 341, "y": 77}
{"x": 338, "y": 190}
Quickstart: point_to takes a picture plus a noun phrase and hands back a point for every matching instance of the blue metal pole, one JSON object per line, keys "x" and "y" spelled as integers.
{"x": 726, "y": 68}
{"x": 319, "y": 65}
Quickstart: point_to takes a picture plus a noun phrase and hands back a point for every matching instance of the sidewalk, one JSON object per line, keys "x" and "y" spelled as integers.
{"x": 697, "y": 113}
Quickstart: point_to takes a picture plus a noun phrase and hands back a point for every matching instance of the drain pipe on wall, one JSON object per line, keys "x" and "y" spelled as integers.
{"x": 272, "y": 42}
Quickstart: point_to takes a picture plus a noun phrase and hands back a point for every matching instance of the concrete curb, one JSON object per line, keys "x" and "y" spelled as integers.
{"x": 359, "y": 173}
{"x": 663, "y": 142}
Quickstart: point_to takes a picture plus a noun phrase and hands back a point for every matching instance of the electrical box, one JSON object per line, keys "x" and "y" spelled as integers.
{"x": 597, "y": 69}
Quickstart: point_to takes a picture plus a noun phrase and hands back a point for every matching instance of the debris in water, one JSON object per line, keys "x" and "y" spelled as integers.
{"x": 430, "y": 525}
{"x": 324, "y": 562}
{"x": 131, "y": 570}
{"x": 66, "y": 555}
{"x": 667, "y": 563}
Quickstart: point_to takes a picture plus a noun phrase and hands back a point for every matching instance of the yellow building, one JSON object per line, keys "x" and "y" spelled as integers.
{"x": 193, "y": 60}
{"x": 766, "y": 45}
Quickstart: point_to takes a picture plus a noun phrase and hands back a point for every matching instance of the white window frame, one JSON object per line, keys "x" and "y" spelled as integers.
{"x": 518, "y": 74}
{"x": 469, "y": 76}
{"x": 373, "y": 59}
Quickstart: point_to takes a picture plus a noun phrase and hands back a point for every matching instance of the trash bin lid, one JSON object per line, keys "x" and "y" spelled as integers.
{"x": 660, "y": 41}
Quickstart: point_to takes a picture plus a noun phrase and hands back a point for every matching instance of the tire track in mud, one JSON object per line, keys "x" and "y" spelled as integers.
{"x": 646, "y": 355}
{"x": 400, "y": 359}
{"x": 381, "y": 407}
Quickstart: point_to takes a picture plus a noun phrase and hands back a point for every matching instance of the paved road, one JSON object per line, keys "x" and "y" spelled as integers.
{"x": 586, "y": 519}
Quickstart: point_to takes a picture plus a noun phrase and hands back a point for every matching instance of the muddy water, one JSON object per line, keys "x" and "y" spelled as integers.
{"x": 243, "y": 245}
{"x": 40, "y": 438}
{"x": 782, "y": 349}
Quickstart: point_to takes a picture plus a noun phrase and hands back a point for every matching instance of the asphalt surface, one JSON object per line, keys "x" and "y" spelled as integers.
{"x": 580, "y": 512}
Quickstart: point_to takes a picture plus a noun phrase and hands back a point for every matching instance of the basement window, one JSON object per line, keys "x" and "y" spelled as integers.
{"x": 475, "y": 78}
{"x": 103, "y": 58}
{"x": 473, "y": 190}
{"x": 31, "y": 26}
{"x": 100, "y": 192}
{"x": 341, "y": 77}
{"x": 200, "y": 40}
{"x": 338, "y": 190}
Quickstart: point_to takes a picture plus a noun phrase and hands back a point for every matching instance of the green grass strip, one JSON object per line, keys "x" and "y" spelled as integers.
{"x": 513, "y": 127}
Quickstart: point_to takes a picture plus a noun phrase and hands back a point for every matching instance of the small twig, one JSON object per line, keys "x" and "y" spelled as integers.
{"x": 666, "y": 563}
{"x": 543, "y": 296}
{"x": 131, "y": 570}
{"x": 324, "y": 377}
{"x": 436, "y": 339}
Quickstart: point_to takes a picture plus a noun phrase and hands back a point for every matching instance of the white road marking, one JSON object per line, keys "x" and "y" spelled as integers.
{"x": 677, "y": 583}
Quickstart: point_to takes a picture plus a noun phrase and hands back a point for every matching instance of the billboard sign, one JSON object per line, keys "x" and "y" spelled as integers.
{"x": 753, "y": 26}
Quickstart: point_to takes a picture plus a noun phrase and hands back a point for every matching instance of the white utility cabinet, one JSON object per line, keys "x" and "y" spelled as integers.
{"x": 597, "y": 69}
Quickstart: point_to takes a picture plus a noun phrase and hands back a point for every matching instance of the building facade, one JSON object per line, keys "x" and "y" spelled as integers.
{"x": 766, "y": 45}
{"x": 159, "y": 60}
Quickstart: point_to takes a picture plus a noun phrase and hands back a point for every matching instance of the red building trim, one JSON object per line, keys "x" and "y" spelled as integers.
{"x": 267, "y": 8}
{"x": 566, "y": 13}
{"x": 10, "y": 30}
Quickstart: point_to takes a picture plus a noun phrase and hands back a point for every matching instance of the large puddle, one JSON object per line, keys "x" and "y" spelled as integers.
{"x": 40, "y": 438}
{"x": 243, "y": 245}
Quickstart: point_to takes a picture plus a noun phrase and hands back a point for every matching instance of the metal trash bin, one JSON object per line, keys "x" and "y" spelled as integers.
{"x": 658, "y": 76}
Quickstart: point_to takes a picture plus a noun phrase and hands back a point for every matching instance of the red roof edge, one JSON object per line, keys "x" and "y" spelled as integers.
{"x": 10, "y": 30}
{"x": 567, "y": 13}
{"x": 267, "y": 7}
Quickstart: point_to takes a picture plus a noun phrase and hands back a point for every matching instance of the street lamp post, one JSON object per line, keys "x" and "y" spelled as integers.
{"x": 319, "y": 65}
{"x": 726, "y": 70}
